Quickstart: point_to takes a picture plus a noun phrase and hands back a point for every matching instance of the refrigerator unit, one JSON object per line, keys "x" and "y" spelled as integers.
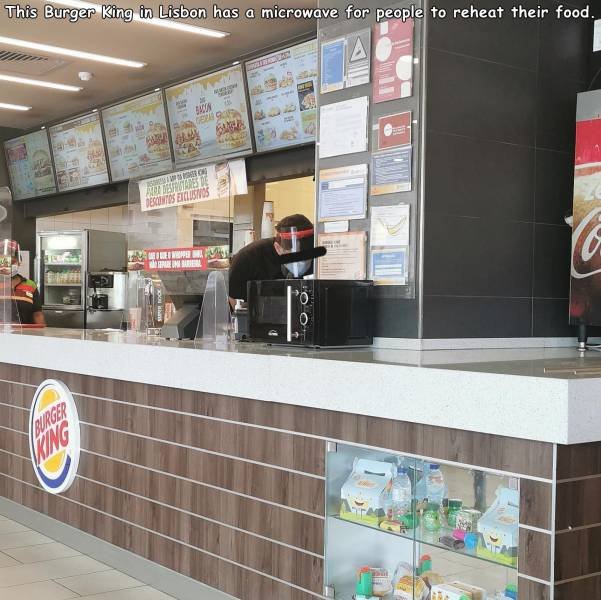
{"x": 64, "y": 261}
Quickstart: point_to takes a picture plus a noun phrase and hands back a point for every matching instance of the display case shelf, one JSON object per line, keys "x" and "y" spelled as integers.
{"x": 426, "y": 540}
{"x": 62, "y": 284}
{"x": 62, "y": 264}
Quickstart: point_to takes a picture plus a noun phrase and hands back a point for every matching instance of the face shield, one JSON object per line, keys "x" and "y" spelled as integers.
{"x": 293, "y": 239}
{"x": 10, "y": 257}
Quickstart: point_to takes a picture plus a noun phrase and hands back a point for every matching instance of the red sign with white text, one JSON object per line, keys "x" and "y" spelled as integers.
{"x": 394, "y": 131}
{"x": 198, "y": 258}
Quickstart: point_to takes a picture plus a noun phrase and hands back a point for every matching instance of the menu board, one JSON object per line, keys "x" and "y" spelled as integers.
{"x": 78, "y": 151}
{"x": 282, "y": 96}
{"x": 137, "y": 140}
{"x": 208, "y": 116}
{"x": 29, "y": 165}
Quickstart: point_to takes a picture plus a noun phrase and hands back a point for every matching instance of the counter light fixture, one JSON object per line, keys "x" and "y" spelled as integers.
{"x": 7, "y": 106}
{"x": 167, "y": 23}
{"x": 72, "y": 53}
{"x": 40, "y": 83}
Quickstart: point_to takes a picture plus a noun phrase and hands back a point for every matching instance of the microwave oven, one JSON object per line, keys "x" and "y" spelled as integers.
{"x": 310, "y": 312}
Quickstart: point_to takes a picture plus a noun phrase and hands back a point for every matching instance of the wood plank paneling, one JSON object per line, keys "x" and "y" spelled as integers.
{"x": 584, "y": 589}
{"x": 290, "y": 527}
{"x": 293, "y": 566}
{"x": 578, "y": 503}
{"x": 535, "y": 554}
{"x": 579, "y": 460}
{"x": 217, "y": 573}
{"x": 577, "y": 553}
{"x": 282, "y": 487}
{"x": 272, "y": 447}
{"x": 494, "y": 452}
{"x": 531, "y": 590}
{"x": 536, "y": 503}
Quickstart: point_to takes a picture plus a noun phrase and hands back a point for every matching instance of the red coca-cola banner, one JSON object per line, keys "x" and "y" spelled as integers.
{"x": 585, "y": 292}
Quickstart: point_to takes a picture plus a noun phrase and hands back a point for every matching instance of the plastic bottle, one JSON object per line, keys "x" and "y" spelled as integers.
{"x": 435, "y": 485}
{"x": 400, "y": 496}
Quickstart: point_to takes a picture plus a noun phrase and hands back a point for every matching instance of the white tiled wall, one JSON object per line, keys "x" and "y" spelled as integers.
{"x": 104, "y": 219}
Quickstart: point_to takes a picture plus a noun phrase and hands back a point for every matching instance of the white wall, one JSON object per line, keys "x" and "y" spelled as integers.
{"x": 104, "y": 219}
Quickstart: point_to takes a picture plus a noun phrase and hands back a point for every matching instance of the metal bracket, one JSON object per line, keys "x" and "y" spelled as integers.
{"x": 329, "y": 591}
{"x": 331, "y": 447}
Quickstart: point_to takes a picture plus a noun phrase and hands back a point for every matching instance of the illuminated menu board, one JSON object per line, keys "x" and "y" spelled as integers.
{"x": 208, "y": 116}
{"x": 29, "y": 166}
{"x": 137, "y": 139}
{"x": 79, "y": 155}
{"x": 282, "y": 96}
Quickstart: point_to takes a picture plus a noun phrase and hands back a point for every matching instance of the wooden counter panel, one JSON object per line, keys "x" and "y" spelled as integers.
{"x": 578, "y": 503}
{"x": 212, "y": 571}
{"x": 267, "y": 483}
{"x": 531, "y": 590}
{"x": 272, "y": 447}
{"x": 578, "y": 553}
{"x": 259, "y": 554}
{"x": 524, "y": 457}
{"x": 278, "y": 523}
{"x": 536, "y": 504}
{"x": 584, "y": 589}
{"x": 535, "y": 554}
{"x": 579, "y": 460}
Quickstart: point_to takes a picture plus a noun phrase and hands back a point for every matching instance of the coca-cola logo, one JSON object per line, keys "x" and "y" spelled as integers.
{"x": 587, "y": 245}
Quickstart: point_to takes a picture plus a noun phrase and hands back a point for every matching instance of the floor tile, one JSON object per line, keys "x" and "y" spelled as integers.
{"x": 48, "y": 590}
{"x": 7, "y": 561}
{"x": 140, "y": 593}
{"x": 8, "y": 526}
{"x": 41, "y": 552}
{"x": 96, "y": 583}
{"x": 51, "y": 569}
{"x": 24, "y": 538}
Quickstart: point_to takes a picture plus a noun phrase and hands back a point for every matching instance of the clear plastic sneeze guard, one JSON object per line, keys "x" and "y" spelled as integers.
{"x": 179, "y": 248}
{"x": 9, "y": 315}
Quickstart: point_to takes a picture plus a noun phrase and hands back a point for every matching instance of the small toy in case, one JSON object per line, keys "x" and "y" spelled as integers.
{"x": 364, "y": 493}
{"x": 498, "y": 529}
{"x": 467, "y": 519}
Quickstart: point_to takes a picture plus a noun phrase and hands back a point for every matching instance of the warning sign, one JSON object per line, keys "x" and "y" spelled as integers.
{"x": 358, "y": 60}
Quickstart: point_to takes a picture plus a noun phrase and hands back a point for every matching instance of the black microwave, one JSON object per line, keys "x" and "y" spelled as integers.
{"x": 310, "y": 312}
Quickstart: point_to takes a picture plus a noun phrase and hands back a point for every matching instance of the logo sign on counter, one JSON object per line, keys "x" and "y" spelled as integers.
{"x": 200, "y": 184}
{"x": 54, "y": 436}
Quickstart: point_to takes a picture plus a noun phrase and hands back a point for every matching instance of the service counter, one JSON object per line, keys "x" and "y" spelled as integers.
{"x": 224, "y": 464}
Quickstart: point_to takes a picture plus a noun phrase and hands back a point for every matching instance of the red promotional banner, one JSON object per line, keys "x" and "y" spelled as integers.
{"x": 199, "y": 258}
{"x": 585, "y": 292}
{"x": 393, "y": 60}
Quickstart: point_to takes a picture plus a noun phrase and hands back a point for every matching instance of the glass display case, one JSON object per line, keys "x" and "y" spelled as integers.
{"x": 407, "y": 528}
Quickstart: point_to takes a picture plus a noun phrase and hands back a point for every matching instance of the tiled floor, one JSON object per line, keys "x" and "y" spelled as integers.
{"x": 32, "y": 566}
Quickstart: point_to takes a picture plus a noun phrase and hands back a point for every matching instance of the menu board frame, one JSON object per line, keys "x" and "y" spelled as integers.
{"x": 223, "y": 155}
{"x": 264, "y": 55}
{"x": 108, "y": 167}
{"x": 25, "y": 134}
{"x": 160, "y": 91}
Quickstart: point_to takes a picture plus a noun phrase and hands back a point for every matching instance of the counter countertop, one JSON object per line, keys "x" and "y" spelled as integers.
{"x": 545, "y": 394}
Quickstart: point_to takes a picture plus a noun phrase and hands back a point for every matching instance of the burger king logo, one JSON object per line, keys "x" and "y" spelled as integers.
{"x": 54, "y": 436}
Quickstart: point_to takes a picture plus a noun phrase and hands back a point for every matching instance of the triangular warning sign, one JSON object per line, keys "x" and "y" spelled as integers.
{"x": 359, "y": 52}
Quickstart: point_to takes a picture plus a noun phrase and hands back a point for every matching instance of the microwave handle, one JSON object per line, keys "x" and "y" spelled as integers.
{"x": 288, "y": 313}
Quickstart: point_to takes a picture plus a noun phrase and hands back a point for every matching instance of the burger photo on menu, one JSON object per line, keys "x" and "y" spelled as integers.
{"x": 287, "y": 81}
{"x": 256, "y": 90}
{"x": 41, "y": 164}
{"x": 157, "y": 141}
{"x": 307, "y": 99}
{"x": 187, "y": 140}
{"x": 218, "y": 257}
{"x": 290, "y": 108}
{"x": 271, "y": 83}
{"x": 259, "y": 115}
{"x": 289, "y": 134}
{"x": 230, "y": 129}
{"x": 274, "y": 111}
{"x": 95, "y": 156}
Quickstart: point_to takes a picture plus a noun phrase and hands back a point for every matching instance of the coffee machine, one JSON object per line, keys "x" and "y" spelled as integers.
{"x": 106, "y": 300}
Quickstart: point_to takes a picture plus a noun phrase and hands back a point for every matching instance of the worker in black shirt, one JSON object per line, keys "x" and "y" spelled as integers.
{"x": 19, "y": 292}
{"x": 260, "y": 260}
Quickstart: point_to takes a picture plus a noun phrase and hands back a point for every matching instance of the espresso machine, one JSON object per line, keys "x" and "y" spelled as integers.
{"x": 106, "y": 296}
